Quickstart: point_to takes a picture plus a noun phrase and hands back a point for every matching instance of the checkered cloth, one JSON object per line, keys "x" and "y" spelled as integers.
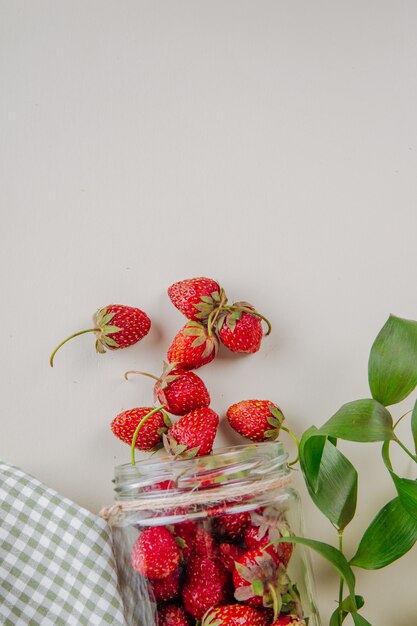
{"x": 56, "y": 561}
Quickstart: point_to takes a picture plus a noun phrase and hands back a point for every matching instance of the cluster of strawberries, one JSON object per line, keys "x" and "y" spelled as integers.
{"x": 197, "y": 572}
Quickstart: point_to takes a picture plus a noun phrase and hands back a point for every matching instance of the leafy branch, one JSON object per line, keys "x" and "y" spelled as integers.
{"x": 332, "y": 480}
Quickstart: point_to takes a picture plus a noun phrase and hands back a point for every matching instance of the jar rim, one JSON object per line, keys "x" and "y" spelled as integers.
{"x": 238, "y": 464}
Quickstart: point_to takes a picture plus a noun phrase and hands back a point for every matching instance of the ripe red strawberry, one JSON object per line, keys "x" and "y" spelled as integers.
{"x": 192, "y": 347}
{"x": 178, "y": 391}
{"x": 232, "y": 526}
{"x": 150, "y": 433}
{"x": 204, "y": 544}
{"x": 204, "y": 586}
{"x": 233, "y": 615}
{"x": 230, "y": 553}
{"x": 116, "y": 326}
{"x": 289, "y": 620}
{"x": 259, "y": 420}
{"x": 185, "y": 534}
{"x": 265, "y": 528}
{"x": 193, "y": 434}
{"x": 173, "y": 615}
{"x": 255, "y": 573}
{"x": 168, "y": 588}
{"x": 155, "y": 553}
{"x": 239, "y": 330}
{"x": 195, "y": 297}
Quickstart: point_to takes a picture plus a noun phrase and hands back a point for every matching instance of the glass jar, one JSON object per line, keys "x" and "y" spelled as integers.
{"x": 190, "y": 535}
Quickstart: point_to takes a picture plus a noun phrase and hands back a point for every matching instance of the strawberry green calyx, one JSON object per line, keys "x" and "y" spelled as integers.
{"x": 210, "y": 304}
{"x": 197, "y": 330}
{"x": 104, "y": 329}
{"x": 230, "y": 314}
{"x": 141, "y": 423}
{"x": 177, "y": 450}
{"x": 275, "y": 420}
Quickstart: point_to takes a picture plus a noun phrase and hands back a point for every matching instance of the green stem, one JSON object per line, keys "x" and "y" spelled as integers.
{"x": 406, "y": 450}
{"x": 252, "y": 312}
{"x": 291, "y": 434}
{"x": 341, "y": 584}
{"x": 81, "y": 332}
{"x": 139, "y": 426}
{"x": 212, "y": 318}
{"x": 274, "y": 600}
{"x": 126, "y": 374}
{"x": 402, "y": 417}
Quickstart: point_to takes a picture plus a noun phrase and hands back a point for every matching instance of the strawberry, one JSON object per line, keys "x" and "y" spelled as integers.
{"x": 232, "y": 526}
{"x": 289, "y": 620}
{"x": 150, "y": 434}
{"x": 264, "y": 529}
{"x": 233, "y": 615}
{"x": 254, "y": 577}
{"x": 204, "y": 544}
{"x": 204, "y": 586}
{"x": 178, "y": 391}
{"x": 168, "y": 588}
{"x": 192, "y": 347}
{"x": 155, "y": 553}
{"x": 240, "y": 331}
{"x": 184, "y": 533}
{"x": 193, "y": 434}
{"x": 229, "y": 554}
{"x": 116, "y": 326}
{"x": 259, "y": 420}
{"x": 181, "y": 392}
{"x": 173, "y": 615}
{"x": 196, "y": 298}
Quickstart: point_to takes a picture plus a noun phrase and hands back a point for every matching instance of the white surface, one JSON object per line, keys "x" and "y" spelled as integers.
{"x": 271, "y": 145}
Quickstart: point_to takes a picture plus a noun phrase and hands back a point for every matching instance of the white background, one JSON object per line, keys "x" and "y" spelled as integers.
{"x": 270, "y": 145}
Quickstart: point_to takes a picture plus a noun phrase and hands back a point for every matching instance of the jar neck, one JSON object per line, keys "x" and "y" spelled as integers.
{"x": 233, "y": 469}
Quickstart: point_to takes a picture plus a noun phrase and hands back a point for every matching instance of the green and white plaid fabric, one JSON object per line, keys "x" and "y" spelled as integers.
{"x": 56, "y": 561}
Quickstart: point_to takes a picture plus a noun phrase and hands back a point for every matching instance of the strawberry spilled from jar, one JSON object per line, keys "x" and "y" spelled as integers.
{"x": 142, "y": 428}
{"x": 178, "y": 391}
{"x": 116, "y": 326}
{"x": 193, "y": 434}
{"x": 196, "y": 298}
{"x": 193, "y": 347}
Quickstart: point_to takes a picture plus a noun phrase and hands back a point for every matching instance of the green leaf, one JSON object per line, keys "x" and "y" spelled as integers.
{"x": 406, "y": 488}
{"x": 347, "y": 607}
{"x": 388, "y": 537}
{"x": 207, "y": 300}
{"x": 359, "y": 620}
{"x": 414, "y": 425}
{"x": 331, "y": 479}
{"x": 361, "y": 420}
{"x": 335, "y": 557}
{"x": 392, "y": 367}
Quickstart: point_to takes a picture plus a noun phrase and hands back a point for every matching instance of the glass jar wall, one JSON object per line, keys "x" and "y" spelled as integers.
{"x": 196, "y": 540}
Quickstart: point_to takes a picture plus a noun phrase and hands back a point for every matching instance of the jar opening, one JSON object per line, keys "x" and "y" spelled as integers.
{"x": 235, "y": 465}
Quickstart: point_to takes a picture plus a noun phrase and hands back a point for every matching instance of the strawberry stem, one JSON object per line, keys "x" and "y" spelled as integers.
{"x": 291, "y": 434}
{"x": 252, "y": 312}
{"x": 212, "y": 318}
{"x": 81, "y": 332}
{"x": 274, "y": 600}
{"x": 139, "y": 426}
{"x": 126, "y": 374}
